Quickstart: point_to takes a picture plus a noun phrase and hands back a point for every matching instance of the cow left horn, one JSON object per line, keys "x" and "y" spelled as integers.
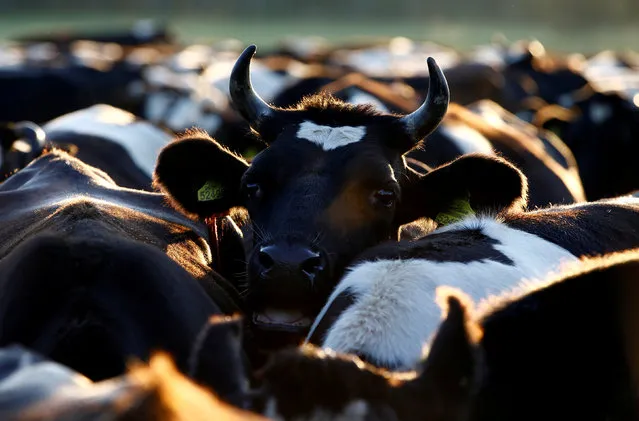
{"x": 247, "y": 102}
{"x": 423, "y": 121}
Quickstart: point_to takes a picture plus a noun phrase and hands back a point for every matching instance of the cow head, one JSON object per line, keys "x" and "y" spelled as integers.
{"x": 332, "y": 182}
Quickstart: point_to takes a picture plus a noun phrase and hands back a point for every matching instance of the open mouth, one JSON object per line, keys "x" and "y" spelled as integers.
{"x": 283, "y": 320}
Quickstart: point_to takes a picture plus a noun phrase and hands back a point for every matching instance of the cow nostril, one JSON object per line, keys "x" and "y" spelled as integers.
{"x": 313, "y": 265}
{"x": 265, "y": 260}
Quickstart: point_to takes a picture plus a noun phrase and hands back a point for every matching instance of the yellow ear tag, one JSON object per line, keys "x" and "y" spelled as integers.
{"x": 209, "y": 191}
{"x": 459, "y": 209}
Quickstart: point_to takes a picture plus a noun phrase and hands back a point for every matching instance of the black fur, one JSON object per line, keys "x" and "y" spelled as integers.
{"x": 558, "y": 352}
{"x": 468, "y": 246}
{"x": 92, "y": 274}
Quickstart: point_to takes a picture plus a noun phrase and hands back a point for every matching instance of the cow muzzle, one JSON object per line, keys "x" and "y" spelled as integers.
{"x": 284, "y": 288}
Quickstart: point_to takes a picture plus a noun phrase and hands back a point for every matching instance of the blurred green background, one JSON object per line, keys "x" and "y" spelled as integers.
{"x": 564, "y": 25}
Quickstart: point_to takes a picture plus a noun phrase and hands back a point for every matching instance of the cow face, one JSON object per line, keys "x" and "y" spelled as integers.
{"x": 331, "y": 183}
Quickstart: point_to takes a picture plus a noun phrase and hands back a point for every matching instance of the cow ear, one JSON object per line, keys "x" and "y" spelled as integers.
{"x": 450, "y": 373}
{"x": 473, "y": 183}
{"x": 200, "y": 176}
{"x": 217, "y": 360}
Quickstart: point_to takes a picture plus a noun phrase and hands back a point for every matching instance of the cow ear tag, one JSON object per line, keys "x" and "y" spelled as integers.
{"x": 209, "y": 191}
{"x": 459, "y": 209}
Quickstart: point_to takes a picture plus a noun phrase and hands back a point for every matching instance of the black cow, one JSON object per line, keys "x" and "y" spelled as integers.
{"x": 332, "y": 182}
{"x": 603, "y": 137}
{"x": 92, "y": 274}
{"x": 383, "y": 308}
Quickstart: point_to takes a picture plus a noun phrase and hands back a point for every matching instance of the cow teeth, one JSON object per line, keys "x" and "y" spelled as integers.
{"x": 283, "y": 317}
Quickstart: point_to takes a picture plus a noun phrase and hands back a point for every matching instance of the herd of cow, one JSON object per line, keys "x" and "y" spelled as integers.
{"x": 343, "y": 232}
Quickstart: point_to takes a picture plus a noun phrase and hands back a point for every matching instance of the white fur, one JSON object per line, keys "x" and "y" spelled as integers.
{"x": 185, "y": 113}
{"x": 140, "y": 139}
{"x": 361, "y": 97}
{"x": 395, "y": 312}
{"x": 156, "y": 105}
{"x": 329, "y": 138}
{"x": 266, "y": 82}
{"x": 467, "y": 139}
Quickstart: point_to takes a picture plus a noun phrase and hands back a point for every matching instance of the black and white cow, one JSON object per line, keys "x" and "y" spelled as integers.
{"x": 384, "y": 309}
{"x": 111, "y": 139}
{"x": 332, "y": 182}
{"x": 562, "y": 347}
{"x": 92, "y": 274}
{"x": 310, "y": 383}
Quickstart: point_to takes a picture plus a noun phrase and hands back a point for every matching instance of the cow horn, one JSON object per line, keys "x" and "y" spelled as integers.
{"x": 33, "y": 134}
{"x": 247, "y": 102}
{"x": 427, "y": 117}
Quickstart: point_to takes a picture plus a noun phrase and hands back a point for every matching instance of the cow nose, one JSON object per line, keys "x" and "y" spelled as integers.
{"x": 289, "y": 259}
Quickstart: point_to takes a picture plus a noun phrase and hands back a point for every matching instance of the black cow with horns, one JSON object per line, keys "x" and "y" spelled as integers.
{"x": 332, "y": 182}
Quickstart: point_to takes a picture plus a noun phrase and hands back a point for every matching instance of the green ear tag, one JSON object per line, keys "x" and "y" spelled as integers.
{"x": 459, "y": 209}
{"x": 209, "y": 191}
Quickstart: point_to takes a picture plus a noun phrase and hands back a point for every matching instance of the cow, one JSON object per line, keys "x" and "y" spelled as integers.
{"x": 564, "y": 347}
{"x": 111, "y": 139}
{"x": 331, "y": 183}
{"x": 381, "y": 306}
{"x": 602, "y": 138}
{"x": 485, "y": 127}
{"x": 93, "y": 274}
{"x": 41, "y": 93}
{"x": 559, "y": 347}
{"x": 37, "y": 389}
{"x": 311, "y": 383}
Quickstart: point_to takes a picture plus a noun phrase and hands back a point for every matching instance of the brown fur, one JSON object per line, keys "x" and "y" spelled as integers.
{"x": 520, "y": 147}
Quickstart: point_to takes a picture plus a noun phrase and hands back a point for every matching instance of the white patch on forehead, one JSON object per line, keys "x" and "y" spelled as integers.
{"x": 467, "y": 139}
{"x": 395, "y": 312}
{"x": 140, "y": 139}
{"x": 329, "y": 138}
{"x": 600, "y": 112}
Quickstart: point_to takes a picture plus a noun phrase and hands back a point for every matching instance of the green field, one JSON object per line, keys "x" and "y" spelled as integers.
{"x": 265, "y": 33}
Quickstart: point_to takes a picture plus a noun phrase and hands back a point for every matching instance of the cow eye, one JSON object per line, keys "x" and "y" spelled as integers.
{"x": 253, "y": 191}
{"x": 384, "y": 197}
